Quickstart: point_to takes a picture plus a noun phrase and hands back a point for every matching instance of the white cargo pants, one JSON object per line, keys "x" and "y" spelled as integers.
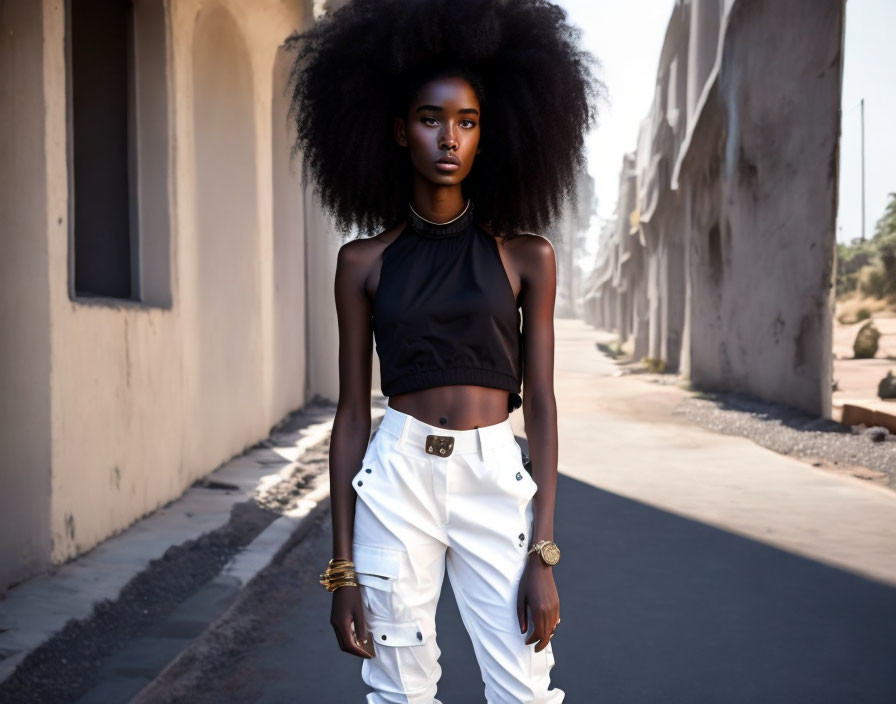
{"x": 468, "y": 509}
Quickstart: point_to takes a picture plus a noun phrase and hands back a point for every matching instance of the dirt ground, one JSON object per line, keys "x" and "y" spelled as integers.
{"x": 857, "y": 379}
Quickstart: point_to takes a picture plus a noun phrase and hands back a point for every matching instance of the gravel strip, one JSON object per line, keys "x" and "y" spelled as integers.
{"x": 68, "y": 664}
{"x": 794, "y": 432}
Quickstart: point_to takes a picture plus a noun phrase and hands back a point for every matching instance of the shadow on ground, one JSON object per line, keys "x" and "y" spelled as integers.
{"x": 656, "y": 608}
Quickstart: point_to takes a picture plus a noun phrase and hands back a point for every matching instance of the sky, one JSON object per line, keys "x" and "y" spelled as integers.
{"x": 869, "y": 72}
{"x": 627, "y": 38}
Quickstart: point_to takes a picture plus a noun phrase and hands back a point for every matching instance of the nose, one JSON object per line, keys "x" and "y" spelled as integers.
{"x": 448, "y": 139}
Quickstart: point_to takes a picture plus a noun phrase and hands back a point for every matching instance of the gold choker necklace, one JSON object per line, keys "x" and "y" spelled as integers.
{"x": 447, "y": 222}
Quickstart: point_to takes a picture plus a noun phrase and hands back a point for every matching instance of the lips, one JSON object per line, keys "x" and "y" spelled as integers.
{"x": 449, "y": 159}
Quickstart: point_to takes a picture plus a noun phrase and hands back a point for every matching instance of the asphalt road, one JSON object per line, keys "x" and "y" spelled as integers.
{"x": 698, "y": 568}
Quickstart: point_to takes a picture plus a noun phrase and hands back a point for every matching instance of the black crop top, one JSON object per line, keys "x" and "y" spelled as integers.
{"x": 444, "y": 310}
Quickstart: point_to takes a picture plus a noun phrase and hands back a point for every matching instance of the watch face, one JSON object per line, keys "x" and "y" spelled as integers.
{"x": 550, "y": 553}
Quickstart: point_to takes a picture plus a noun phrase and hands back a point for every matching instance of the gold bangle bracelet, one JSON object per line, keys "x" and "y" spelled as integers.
{"x": 339, "y": 573}
{"x": 328, "y": 578}
{"x": 339, "y": 585}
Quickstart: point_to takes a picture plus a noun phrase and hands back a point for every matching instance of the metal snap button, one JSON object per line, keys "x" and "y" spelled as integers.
{"x": 368, "y": 470}
{"x": 430, "y": 448}
{"x": 442, "y": 451}
{"x": 518, "y": 476}
{"x": 360, "y": 483}
{"x": 383, "y": 636}
{"x": 419, "y": 635}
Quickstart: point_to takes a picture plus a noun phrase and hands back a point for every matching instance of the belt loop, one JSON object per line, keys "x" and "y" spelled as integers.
{"x": 484, "y": 445}
{"x": 402, "y": 437}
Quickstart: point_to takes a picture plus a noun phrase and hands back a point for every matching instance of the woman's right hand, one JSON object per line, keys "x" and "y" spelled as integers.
{"x": 347, "y": 609}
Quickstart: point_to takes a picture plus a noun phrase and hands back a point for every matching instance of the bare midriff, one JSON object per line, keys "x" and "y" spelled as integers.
{"x": 455, "y": 407}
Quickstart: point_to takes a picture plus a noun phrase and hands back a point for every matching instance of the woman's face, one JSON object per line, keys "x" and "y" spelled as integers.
{"x": 441, "y": 130}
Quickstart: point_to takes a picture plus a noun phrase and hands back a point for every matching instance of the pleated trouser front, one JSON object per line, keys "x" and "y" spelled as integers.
{"x": 418, "y": 514}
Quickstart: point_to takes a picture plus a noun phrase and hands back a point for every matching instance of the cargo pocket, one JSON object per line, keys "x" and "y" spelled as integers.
{"x": 410, "y": 670}
{"x": 376, "y": 567}
{"x": 389, "y": 621}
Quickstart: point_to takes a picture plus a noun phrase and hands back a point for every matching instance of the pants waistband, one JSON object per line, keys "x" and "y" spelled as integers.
{"x": 413, "y": 431}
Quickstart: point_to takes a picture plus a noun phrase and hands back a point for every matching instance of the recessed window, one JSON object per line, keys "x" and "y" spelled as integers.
{"x": 118, "y": 143}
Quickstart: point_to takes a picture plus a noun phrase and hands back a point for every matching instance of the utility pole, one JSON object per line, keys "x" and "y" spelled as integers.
{"x": 863, "y": 169}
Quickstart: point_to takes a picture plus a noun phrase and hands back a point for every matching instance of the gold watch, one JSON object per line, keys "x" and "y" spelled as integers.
{"x": 548, "y": 551}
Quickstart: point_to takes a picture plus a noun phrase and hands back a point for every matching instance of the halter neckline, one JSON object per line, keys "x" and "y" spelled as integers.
{"x": 428, "y": 228}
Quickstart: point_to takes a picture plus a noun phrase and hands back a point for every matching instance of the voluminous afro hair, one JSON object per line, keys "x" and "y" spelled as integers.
{"x": 359, "y": 67}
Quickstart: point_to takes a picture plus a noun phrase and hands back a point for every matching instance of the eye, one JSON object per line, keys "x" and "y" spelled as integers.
{"x": 427, "y": 120}
{"x": 470, "y": 123}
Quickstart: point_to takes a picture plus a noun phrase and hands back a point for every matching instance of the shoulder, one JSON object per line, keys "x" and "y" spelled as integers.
{"x": 532, "y": 253}
{"x": 359, "y": 256}
{"x": 536, "y": 247}
{"x": 537, "y": 257}
{"x": 361, "y": 248}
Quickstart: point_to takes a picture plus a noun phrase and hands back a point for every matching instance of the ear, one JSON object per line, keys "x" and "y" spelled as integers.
{"x": 401, "y": 135}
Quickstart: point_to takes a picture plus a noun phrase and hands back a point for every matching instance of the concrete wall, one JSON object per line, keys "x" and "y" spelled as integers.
{"x": 116, "y": 406}
{"x": 761, "y": 201}
{"x": 736, "y": 200}
{"x": 565, "y": 233}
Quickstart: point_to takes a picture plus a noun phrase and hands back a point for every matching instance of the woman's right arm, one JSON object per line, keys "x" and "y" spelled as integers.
{"x": 351, "y": 427}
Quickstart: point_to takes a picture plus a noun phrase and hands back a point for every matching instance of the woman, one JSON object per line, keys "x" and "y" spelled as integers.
{"x": 457, "y": 126}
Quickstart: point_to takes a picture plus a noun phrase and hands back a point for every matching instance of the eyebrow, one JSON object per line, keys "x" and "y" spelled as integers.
{"x": 436, "y": 108}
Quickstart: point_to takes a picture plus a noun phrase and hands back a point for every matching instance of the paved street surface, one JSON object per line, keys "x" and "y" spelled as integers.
{"x": 697, "y": 568}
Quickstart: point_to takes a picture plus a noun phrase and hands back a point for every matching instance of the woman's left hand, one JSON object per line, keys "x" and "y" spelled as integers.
{"x": 538, "y": 592}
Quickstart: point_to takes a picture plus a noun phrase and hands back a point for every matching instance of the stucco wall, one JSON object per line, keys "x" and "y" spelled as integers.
{"x": 24, "y": 298}
{"x": 116, "y": 407}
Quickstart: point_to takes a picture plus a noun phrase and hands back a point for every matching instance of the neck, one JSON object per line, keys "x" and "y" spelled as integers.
{"x": 437, "y": 203}
{"x": 444, "y": 229}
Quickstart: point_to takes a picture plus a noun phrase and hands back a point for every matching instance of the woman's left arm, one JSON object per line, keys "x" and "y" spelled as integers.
{"x": 538, "y": 272}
